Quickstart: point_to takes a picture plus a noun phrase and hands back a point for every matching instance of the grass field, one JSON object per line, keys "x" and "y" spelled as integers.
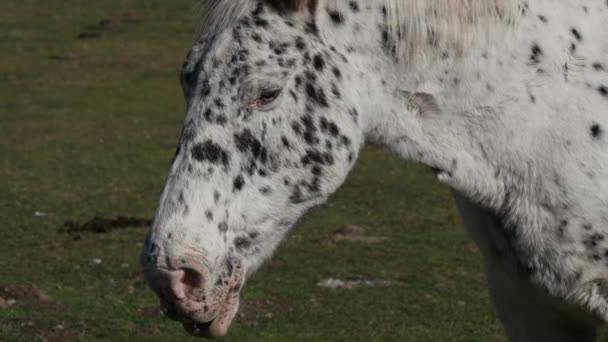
{"x": 90, "y": 112}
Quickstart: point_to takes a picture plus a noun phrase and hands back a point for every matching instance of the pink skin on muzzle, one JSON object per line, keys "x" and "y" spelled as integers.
{"x": 204, "y": 313}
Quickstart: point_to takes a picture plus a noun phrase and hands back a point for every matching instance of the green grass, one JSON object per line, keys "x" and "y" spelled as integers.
{"x": 88, "y": 126}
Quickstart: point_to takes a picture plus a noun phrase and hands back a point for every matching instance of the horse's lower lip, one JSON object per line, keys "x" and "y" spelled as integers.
{"x": 217, "y": 327}
{"x": 436, "y": 170}
{"x": 198, "y": 329}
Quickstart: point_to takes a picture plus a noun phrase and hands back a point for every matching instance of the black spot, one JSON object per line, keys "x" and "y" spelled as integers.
{"x": 592, "y": 241}
{"x": 209, "y": 215}
{"x": 596, "y": 130}
{"x": 300, "y": 43}
{"x": 296, "y": 196}
{"x": 333, "y": 129}
{"x": 223, "y": 227}
{"x": 314, "y": 156}
{"x": 311, "y": 28}
{"x": 241, "y": 243}
{"x": 246, "y": 141}
{"x": 278, "y": 48}
{"x": 536, "y": 54}
{"x": 293, "y": 94}
{"x": 345, "y": 140}
{"x": 335, "y": 16}
{"x": 238, "y": 183}
{"x": 576, "y": 34}
{"x": 318, "y": 62}
{"x": 353, "y": 6}
{"x": 284, "y": 141}
{"x": 315, "y": 185}
{"x": 561, "y": 228}
{"x": 335, "y": 90}
{"x": 260, "y": 22}
{"x": 603, "y": 90}
{"x": 317, "y": 95}
{"x": 208, "y": 115}
{"x": 297, "y": 128}
{"x": 243, "y": 55}
{"x": 236, "y": 35}
{"x": 337, "y": 72}
{"x": 221, "y": 120}
{"x": 310, "y": 76}
{"x": 598, "y": 66}
{"x": 259, "y": 9}
{"x": 205, "y": 88}
{"x": 209, "y": 151}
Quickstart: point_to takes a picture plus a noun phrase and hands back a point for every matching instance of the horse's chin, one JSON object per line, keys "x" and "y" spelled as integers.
{"x": 219, "y": 326}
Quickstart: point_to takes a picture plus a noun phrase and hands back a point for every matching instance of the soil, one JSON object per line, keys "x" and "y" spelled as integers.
{"x": 31, "y": 296}
{"x": 106, "y": 24}
{"x": 58, "y": 333}
{"x": 101, "y": 225}
{"x": 36, "y": 298}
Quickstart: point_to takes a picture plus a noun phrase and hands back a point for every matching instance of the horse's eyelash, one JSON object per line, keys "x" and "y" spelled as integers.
{"x": 270, "y": 94}
{"x": 265, "y": 97}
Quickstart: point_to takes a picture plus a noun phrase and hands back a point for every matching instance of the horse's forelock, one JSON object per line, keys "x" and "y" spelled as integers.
{"x": 295, "y": 5}
{"x": 218, "y": 13}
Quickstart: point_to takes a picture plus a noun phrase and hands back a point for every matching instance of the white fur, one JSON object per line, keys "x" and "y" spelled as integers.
{"x": 454, "y": 24}
{"x": 509, "y": 128}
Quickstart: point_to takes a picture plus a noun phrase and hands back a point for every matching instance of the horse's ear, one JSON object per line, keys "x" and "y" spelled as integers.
{"x": 295, "y": 5}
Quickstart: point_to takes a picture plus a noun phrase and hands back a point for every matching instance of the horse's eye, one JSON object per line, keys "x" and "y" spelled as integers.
{"x": 264, "y": 99}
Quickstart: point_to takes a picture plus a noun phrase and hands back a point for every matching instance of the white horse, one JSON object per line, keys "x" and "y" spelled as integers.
{"x": 506, "y": 100}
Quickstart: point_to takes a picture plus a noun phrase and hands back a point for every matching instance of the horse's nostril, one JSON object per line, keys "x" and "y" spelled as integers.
{"x": 184, "y": 282}
{"x": 192, "y": 278}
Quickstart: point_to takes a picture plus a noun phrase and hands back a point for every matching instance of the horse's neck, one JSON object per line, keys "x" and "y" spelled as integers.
{"x": 489, "y": 119}
{"x": 520, "y": 130}
{"x": 448, "y": 112}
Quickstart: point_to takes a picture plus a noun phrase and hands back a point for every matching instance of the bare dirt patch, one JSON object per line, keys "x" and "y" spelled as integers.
{"x": 101, "y": 225}
{"x": 37, "y": 299}
{"x": 29, "y": 295}
{"x": 35, "y": 331}
{"x": 107, "y": 24}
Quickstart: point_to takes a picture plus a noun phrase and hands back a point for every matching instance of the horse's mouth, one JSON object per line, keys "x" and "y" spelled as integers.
{"x": 436, "y": 170}
{"x": 199, "y": 329}
{"x": 217, "y": 327}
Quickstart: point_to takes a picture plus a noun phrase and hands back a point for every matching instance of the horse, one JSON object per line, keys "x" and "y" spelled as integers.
{"x": 506, "y": 101}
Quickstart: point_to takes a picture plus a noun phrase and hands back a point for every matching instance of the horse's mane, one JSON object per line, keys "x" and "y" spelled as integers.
{"x": 418, "y": 24}
{"x": 425, "y": 25}
{"x": 220, "y": 13}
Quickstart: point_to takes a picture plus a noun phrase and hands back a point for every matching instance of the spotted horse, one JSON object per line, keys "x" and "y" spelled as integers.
{"x": 505, "y": 100}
